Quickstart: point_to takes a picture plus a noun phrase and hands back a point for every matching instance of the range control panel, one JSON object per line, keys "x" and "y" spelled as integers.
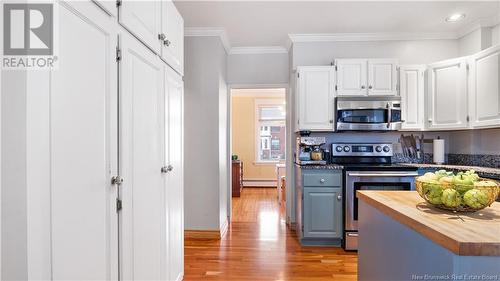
{"x": 362, "y": 149}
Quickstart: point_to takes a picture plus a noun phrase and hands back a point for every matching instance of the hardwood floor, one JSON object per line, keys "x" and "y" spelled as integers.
{"x": 259, "y": 246}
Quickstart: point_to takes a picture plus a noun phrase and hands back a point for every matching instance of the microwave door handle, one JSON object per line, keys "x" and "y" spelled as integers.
{"x": 389, "y": 115}
{"x": 382, "y": 175}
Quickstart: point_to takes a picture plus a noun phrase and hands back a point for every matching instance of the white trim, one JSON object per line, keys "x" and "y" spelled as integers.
{"x": 258, "y": 50}
{"x": 262, "y": 93}
{"x": 209, "y": 31}
{"x": 260, "y": 183}
{"x": 346, "y": 37}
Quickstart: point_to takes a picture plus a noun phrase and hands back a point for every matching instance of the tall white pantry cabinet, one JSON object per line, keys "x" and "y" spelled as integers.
{"x": 95, "y": 158}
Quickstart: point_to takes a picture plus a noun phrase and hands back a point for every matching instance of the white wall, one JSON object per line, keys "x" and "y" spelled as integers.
{"x": 251, "y": 69}
{"x": 475, "y": 41}
{"x": 205, "y": 186}
{"x": 408, "y": 52}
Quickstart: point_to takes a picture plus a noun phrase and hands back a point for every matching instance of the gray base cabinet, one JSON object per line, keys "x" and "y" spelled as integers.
{"x": 319, "y": 206}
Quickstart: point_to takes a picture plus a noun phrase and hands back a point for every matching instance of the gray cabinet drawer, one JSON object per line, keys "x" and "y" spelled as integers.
{"x": 323, "y": 179}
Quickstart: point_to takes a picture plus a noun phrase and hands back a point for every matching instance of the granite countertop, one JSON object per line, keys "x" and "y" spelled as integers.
{"x": 321, "y": 167}
{"x": 482, "y": 171}
{"x": 474, "y": 234}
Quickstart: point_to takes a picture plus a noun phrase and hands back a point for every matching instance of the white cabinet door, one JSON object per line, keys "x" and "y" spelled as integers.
{"x": 315, "y": 97}
{"x": 412, "y": 96}
{"x": 83, "y": 118}
{"x": 485, "y": 88}
{"x": 143, "y": 217}
{"x": 351, "y": 77}
{"x": 172, "y": 50}
{"x": 174, "y": 89}
{"x": 447, "y": 95}
{"x": 143, "y": 19}
{"x": 382, "y": 77}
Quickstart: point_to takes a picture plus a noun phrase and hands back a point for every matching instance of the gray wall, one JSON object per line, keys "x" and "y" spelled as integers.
{"x": 475, "y": 142}
{"x": 205, "y": 186}
{"x": 408, "y": 52}
{"x": 257, "y": 69}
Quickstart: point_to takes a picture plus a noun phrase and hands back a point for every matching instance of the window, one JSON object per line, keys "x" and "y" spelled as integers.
{"x": 271, "y": 134}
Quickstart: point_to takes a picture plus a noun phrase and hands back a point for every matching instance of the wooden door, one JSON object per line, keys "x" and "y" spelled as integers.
{"x": 447, "y": 95}
{"x": 485, "y": 88}
{"x": 382, "y": 77}
{"x": 351, "y": 77}
{"x": 316, "y": 97}
{"x": 172, "y": 50}
{"x": 322, "y": 212}
{"x": 174, "y": 136}
{"x": 412, "y": 96}
{"x": 143, "y": 20}
{"x": 83, "y": 147}
{"x": 143, "y": 218}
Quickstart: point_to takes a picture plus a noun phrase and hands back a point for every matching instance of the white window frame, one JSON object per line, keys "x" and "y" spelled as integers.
{"x": 258, "y": 104}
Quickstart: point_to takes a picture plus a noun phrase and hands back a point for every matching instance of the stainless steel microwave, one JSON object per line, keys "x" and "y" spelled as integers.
{"x": 368, "y": 113}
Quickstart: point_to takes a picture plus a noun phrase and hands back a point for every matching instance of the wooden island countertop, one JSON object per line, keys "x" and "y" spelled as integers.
{"x": 465, "y": 234}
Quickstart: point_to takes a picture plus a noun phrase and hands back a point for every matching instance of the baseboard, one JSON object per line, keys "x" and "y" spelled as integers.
{"x": 207, "y": 234}
{"x": 259, "y": 183}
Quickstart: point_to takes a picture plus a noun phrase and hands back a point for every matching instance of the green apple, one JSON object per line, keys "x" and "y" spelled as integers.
{"x": 472, "y": 175}
{"x": 462, "y": 183}
{"x": 476, "y": 198}
{"x": 451, "y": 198}
{"x": 431, "y": 176}
{"x": 446, "y": 180}
{"x": 485, "y": 183}
{"x": 433, "y": 191}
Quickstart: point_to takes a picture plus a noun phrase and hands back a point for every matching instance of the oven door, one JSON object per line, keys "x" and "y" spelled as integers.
{"x": 378, "y": 180}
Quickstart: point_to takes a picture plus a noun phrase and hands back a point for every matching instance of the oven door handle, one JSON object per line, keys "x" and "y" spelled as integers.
{"x": 382, "y": 175}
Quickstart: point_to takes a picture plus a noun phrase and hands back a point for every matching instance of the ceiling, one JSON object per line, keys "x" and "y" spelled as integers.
{"x": 268, "y": 23}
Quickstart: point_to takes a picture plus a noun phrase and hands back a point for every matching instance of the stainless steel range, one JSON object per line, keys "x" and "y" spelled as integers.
{"x": 367, "y": 166}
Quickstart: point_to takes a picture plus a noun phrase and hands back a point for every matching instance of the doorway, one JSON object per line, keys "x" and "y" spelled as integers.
{"x": 258, "y": 136}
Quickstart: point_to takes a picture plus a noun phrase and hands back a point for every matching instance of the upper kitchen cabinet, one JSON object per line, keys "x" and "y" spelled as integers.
{"x": 172, "y": 51}
{"x": 108, "y": 6}
{"x": 447, "y": 95}
{"x": 412, "y": 96}
{"x": 484, "y": 94}
{"x": 362, "y": 77}
{"x": 351, "y": 77}
{"x": 143, "y": 20}
{"x": 382, "y": 77}
{"x": 315, "y": 98}
{"x": 159, "y": 26}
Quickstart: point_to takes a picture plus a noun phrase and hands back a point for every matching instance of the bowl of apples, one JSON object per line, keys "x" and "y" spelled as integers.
{"x": 462, "y": 192}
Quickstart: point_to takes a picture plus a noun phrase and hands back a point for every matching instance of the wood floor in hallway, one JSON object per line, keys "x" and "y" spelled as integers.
{"x": 259, "y": 246}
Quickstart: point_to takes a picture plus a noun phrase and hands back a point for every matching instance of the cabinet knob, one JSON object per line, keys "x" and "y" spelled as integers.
{"x": 370, "y": 87}
{"x": 430, "y": 120}
{"x": 162, "y": 36}
{"x": 166, "y": 169}
{"x": 322, "y": 180}
{"x": 362, "y": 87}
{"x": 339, "y": 197}
{"x": 167, "y": 42}
{"x": 331, "y": 121}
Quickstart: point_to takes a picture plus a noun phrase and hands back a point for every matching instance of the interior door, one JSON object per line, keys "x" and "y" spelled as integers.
{"x": 83, "y": 144}
{"x": 316, "y": 97}
{"x": 143, "y": 19}
{"x": 447, "y": 107}
{"x": 174, "y": 163}
{"x": 485, "y": 88}
{"x": 412, "y": 96}
{"x": 351, "y": 77}
{"x": 382, "y": 77}
{"x": 173, "y": 28}
{"x": 143, "y": 217}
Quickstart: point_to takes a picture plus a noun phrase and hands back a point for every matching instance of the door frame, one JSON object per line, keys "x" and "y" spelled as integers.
{"x": 288, "y": 145}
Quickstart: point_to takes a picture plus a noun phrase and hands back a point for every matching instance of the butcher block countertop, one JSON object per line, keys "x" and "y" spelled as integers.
{"x": 465, "y": 234}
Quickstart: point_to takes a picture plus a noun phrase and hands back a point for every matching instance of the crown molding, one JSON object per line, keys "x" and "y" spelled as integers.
{"x": 347, "y": 37}
{"x": 209, "y": 32}
{"x": 258, "y": 50}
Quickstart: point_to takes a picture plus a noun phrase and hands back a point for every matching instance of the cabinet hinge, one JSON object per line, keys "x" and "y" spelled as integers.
{"x": 468, "y": 118}
{"x": 336, "y": 87}
{"x": 298, "y": 75}
{"x": 302, "y": 228}
{"x": 118, "y": 3}
{"x": 116, "y": 180}
{"x": 119, "y": 205}
{"x": 336, "y": 69}
{"x": 467, "y": 67}
{"x": 118, "y": 54}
